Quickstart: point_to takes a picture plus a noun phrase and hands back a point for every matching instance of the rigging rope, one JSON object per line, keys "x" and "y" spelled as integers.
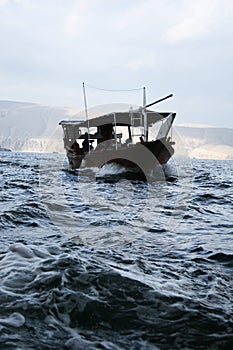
{"x": 113, "y": 90}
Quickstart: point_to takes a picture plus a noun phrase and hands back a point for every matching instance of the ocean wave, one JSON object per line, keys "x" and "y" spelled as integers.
{"x": 89, "y": 264}
{"x": 64, "y": 296}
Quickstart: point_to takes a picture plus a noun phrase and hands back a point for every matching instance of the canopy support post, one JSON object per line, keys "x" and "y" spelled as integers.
{"x": 86, "y": 113}
{"x": 145, "y": 115}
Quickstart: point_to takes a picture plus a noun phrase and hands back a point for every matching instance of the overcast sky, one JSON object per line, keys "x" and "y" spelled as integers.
{"x": 185, "y": 47}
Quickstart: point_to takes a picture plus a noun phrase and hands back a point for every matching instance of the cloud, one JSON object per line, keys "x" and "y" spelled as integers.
{"x": 197, "y": 19}
{"x": 79, "y": 18}
{"x": 142, "y": 62}
{"x": 185, "y": 30}
{"x": 49, "y": 47}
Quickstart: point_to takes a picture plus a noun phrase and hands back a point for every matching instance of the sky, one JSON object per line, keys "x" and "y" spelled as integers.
{"x": 185, "y": 47}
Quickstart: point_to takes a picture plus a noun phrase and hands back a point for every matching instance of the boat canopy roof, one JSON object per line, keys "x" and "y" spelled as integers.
{"x": 119, "y": 119}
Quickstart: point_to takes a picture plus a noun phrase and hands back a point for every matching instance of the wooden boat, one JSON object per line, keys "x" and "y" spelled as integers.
{"x": 96, "y": 142}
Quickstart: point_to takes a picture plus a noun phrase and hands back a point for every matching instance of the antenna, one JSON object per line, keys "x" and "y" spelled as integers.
{"x": 86, "y": 113}
{"x": 144, "y": 97}
{"x": 145, "y": 115}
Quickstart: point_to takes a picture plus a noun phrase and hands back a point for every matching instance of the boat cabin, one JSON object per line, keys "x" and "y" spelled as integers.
{"x": 85, "y": 136}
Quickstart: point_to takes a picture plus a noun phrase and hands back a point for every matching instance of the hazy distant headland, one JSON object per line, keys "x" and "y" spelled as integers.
{"x": 204, "y": 142}
{"x": 30, "y": 127}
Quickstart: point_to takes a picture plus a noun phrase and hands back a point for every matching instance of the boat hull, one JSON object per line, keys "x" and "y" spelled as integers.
{"x": 144, "y": 155}
{"x": 5, "y": 149}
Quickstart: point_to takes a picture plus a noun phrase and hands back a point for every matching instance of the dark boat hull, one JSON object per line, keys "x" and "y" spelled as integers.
{"x": 145, "y": 156}
{"x": 5, "y": 149}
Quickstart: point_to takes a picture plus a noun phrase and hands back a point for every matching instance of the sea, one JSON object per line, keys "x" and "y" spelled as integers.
{"x": 95, "y": 260}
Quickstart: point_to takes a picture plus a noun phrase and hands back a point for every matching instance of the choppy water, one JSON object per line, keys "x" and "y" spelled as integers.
{"x": 90, "y": 264}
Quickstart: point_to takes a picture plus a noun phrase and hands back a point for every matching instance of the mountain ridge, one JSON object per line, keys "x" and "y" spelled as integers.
{"x": 31, "y": 127}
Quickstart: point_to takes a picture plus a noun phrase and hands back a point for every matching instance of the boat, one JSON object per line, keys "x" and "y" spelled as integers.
{"x": 3, "y": 149}
{"x": 121, "y": 138}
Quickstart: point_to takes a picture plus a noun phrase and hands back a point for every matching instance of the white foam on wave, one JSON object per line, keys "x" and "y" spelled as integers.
{"x": 111, "y": 169}
{"x": 170, "y": 170}
{"x": 14, "y": 320}
{"x": 22, "y": 250}
{"x": 78, "y": 343}
{"x": 178, "y": 167}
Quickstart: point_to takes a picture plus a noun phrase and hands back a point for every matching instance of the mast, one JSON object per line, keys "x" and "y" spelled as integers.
{"x": 145, "y": 115}
{"x": 115, "y": 134}
{"x": 86, "y": 113}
